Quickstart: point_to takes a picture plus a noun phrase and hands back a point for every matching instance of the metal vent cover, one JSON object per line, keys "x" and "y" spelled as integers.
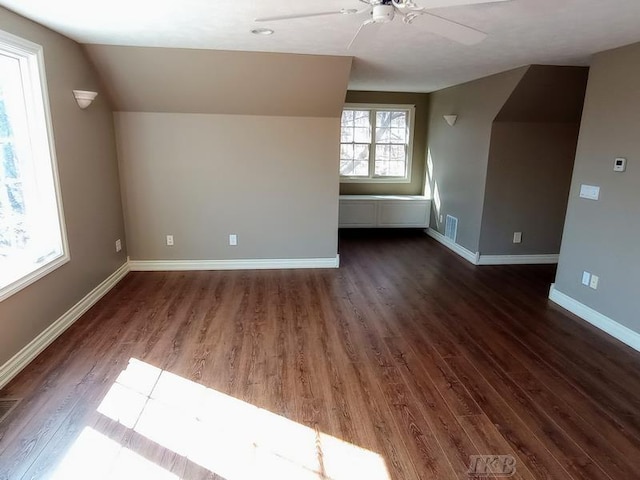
{"x": 451, "y": 228}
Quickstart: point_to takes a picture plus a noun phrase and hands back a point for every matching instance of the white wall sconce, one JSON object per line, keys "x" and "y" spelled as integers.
{"x": 84, "y": 97}
{"x": 451, "y": 119}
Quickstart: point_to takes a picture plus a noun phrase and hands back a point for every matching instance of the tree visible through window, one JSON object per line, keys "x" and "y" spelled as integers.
{"x": 375, "y": 143}
{"x": 13, "y": 234}
{"x": 31, "y": 234}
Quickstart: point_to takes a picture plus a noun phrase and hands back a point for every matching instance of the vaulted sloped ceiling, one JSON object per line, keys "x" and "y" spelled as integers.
{"x": 549, "y": 94}
{"x": 141, "y": 79}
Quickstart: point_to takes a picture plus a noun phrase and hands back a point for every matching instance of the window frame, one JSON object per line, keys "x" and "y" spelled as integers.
{"x": 373, "y": 108}
{"x": 38, "y": 108}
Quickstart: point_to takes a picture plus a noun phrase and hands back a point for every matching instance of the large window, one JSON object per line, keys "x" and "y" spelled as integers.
{"x": 376, "y": 143}
{"x": 32, "y": 240}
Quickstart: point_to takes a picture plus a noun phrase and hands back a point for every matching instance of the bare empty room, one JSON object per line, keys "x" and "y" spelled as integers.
{"x": 381, "y": 239}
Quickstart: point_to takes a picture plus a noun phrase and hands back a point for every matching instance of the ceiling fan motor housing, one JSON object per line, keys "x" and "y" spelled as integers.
{"x": 382, "y": 13}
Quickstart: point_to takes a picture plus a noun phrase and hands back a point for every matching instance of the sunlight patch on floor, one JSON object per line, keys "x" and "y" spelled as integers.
{"x": 218, "y": 432}
{"x": 95, "y": 456}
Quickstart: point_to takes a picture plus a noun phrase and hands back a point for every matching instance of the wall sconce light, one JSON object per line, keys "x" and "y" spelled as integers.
{"x": 84, "y": 97}
{"x": 451, "y": 119}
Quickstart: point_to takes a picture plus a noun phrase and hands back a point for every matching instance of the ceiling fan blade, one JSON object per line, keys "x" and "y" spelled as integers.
{"x": 302, "y": 15}
{"x": 451, "y": 30}
{"x": 364, "y": 24}
{"x": 428, "y": 4}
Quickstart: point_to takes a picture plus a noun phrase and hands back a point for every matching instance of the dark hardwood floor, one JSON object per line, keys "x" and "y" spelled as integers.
{"x": 402, "y": 364}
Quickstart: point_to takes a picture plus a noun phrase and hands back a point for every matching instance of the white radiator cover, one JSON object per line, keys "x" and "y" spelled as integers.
{"x": 384, "y": 211}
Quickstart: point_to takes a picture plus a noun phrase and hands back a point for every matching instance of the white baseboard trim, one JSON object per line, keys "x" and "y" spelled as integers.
{"x": 246, "y": 264}
{"x": 25, "y": 356}
{"x": 454, "y": 247}
{"x": 478, "y": 259}
{"x": 517, "y": 259}
{"x": 595, "y": 318}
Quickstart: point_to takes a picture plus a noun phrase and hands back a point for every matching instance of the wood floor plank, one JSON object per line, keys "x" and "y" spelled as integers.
{"x": 406, "y": 354}
{"x": 619, "y": 397}
{"x": 496, "y": 349}
{"x": 387, "y": 412}
{"x": 533, "y": 451}
{"x": 489, "y": 441}
{"x": 444, "y": 433}
{"x": 508, "y": 363}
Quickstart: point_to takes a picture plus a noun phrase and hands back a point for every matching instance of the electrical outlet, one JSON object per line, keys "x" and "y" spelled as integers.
{"x": 517, "y": 237}
{"x": 170, "y": 240}
{"x": 118, "y": 245}
{"x": 594, "y": 282}
{"x": 586, "y": 278}
{"x": 441, "y": 218}
{"x": 233, "y": 239}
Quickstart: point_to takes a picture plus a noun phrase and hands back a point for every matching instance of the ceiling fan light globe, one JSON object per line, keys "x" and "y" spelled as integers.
{"x": 382, "y": 13}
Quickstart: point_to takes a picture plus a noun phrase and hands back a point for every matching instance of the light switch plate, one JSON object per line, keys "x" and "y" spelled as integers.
{"x": 590, "y": 192}
{"x": 586, "y": 278}
{"x": 517, "y": 237}
{"x": 233, "y": 239}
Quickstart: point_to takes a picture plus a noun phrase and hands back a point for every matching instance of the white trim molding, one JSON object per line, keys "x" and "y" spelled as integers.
{"x": 595, "y": 318}
{"x": 517, "y": 259}
{"x": 30, "y": 58}
{"x": 25, "y": 356}
{"x": 244, "y": 264}
{"x": 478, "y": 259}
{"x": 468, "y": 255}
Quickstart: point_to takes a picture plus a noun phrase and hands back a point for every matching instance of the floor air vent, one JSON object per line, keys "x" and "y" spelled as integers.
{"x": 7, "y": 405}
{"x": 451, "y": 228}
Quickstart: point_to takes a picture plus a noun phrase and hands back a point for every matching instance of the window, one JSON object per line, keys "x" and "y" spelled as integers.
{"x": 376, "y": 143}
{"x": 32, "y": 239}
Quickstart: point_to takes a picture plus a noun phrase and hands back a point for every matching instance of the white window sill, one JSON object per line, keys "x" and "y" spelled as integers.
{"x": 33, "y": 276}
{"x": 374, "y": 180}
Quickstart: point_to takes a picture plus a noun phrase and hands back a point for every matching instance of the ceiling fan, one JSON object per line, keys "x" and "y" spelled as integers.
{"x": 384, "y": 11}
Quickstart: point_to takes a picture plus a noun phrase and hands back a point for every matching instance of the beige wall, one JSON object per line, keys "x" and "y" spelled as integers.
{"x": 602, "y": 236}
{"x": 85, "y": 149}
{"x": 458, "y": 155}
{"x": 273, "y": 181}
{"x": 242, "y": 143}
{"x": 527, "y": 189}
{"x": 416, "y": 186}
{"x": 533, "y": 145}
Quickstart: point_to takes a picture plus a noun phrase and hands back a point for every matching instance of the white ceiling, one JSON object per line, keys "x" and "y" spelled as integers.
{"x": 392, "y": 57}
